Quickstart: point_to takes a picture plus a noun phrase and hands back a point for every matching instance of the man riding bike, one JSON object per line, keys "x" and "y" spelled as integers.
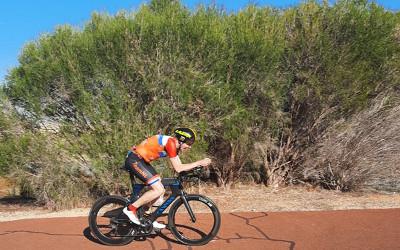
{"x": 138, "y": 162}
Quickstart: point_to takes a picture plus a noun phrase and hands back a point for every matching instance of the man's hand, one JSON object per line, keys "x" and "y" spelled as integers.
{"x": 179, "y": 167}
{"x": 205, "y": 162}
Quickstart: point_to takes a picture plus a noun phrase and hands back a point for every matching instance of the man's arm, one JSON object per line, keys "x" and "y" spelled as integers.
{"x": 179, "y": 166}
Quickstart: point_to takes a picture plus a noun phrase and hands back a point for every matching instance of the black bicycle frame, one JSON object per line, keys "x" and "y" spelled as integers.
{"x": 177, "y": 191}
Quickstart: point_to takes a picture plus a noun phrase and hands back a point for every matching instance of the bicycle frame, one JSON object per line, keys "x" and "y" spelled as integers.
{"x": 177, "y": 191}
{"x": 120, "y": 230}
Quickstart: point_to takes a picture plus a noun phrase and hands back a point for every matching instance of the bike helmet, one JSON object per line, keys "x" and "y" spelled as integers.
{"x": 185, "y": 135}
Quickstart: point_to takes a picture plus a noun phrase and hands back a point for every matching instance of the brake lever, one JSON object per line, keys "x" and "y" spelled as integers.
{"x": 194, "y": 172}
{"x": 197, "y": 170}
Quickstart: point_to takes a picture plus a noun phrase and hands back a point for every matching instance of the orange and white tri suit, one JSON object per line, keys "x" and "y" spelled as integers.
{"x": 139, "y": 158}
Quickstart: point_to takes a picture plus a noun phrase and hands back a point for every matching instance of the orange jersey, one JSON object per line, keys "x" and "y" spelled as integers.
{"x": 157, "y": 146}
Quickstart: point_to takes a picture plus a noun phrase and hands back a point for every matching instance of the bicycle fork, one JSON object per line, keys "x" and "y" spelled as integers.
{"x": 188, "y": 208}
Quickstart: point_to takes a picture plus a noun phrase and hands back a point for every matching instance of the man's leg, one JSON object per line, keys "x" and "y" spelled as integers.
{"x": 156, "y": 202}
{"x": 145, "y": 172}
{"x": 157, "y": 189}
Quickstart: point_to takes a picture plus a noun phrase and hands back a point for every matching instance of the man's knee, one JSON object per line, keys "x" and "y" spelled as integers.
{"x": 161, "y": 191}
{"x": 159, "y": 188}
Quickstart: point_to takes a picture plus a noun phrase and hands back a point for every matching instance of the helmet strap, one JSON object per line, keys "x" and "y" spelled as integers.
{"x": 180, "y": 146}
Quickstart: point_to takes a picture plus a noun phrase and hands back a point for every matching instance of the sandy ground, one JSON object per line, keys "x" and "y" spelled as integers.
{"x": 241, "y": 198}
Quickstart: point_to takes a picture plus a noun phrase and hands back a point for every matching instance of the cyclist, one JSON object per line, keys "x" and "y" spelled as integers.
{"x": 139, "y": 158}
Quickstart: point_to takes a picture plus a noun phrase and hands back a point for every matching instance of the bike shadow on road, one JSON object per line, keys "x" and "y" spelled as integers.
{"x": 247, "y": 222}
{"x": 88, "y": 235}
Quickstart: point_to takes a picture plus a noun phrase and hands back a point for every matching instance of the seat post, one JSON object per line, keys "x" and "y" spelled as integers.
{"x": 132, "y": 177}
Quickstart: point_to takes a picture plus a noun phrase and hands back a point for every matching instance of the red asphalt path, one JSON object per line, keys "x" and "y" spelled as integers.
{"x": 351, "y": 229}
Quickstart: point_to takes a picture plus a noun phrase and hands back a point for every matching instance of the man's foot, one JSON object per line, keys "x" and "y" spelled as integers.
{"x": 157, "y": 225}
{"x": 131, "y": 215}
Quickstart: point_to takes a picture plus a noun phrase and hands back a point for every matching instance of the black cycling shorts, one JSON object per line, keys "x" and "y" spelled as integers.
{"x": 141, "y": 169}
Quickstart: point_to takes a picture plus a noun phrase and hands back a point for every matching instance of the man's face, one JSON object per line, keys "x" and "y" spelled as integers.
{"x": 185, "y": 146}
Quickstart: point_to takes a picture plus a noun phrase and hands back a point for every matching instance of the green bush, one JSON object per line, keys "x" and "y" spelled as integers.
{"x": 237, "y": 78}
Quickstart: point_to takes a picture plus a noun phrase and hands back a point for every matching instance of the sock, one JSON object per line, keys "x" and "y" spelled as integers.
{"x": 132, "y": 208}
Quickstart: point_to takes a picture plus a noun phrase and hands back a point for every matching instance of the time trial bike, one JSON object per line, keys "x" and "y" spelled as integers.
{"x": 193, "y": 219}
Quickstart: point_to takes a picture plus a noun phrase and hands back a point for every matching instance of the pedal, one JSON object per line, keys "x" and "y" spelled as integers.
{"x": 146, "y": 225}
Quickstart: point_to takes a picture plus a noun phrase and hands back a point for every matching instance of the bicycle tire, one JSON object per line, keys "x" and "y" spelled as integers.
{"x": 172, "y": 223}
{"x": 93, "y": 222}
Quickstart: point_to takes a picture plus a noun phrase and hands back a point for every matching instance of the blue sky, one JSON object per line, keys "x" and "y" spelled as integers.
{"x": 22, "y": 21}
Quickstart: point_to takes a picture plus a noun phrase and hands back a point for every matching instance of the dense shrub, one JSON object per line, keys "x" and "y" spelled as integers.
{"x": 243, "y": 80}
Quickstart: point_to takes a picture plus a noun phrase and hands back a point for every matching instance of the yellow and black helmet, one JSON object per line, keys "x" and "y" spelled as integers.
{"x": 185, "y": 135}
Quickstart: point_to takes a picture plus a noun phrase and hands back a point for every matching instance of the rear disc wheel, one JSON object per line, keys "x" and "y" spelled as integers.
{"x": 108, "y": 223}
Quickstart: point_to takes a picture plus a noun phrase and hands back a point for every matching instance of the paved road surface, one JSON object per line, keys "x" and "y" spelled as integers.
{"x": 353, "y": 229}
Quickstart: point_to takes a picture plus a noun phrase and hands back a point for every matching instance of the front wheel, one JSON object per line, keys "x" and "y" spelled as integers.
{"x": 108, "y": 223}
{"x": 198, "y": 230}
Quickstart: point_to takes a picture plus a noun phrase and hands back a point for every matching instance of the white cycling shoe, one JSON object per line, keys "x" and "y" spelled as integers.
{"x": 135, "y": 219}
{"x": 158, "y": 225}
{"x": 132, "y": 216}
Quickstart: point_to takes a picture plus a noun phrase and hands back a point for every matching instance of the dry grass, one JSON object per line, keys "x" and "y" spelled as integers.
{"x": 360, "y": 153}
{"x": 5, "y": 186}
{"x": 262, "y": 198}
